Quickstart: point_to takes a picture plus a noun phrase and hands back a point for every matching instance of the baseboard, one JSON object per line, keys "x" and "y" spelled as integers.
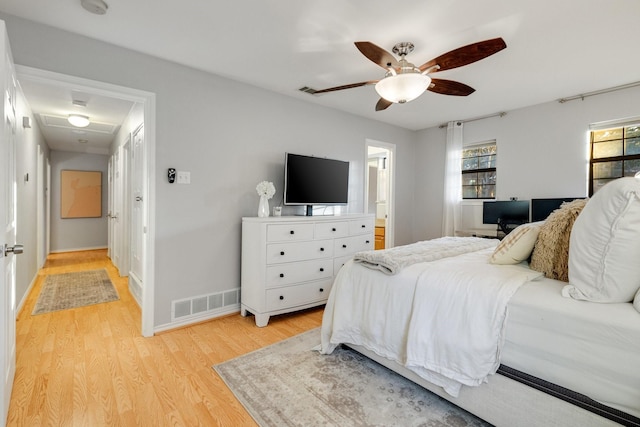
{"x": 23, "y": 300}
{"x": 192, "y": 320}
{"x": 61, "y": 251}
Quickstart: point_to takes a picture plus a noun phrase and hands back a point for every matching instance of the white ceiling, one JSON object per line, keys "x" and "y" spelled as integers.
{"x": 555, "y": 49}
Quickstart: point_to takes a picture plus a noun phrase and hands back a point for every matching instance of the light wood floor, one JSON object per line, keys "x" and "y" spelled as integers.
{"x": 90, "y": 366}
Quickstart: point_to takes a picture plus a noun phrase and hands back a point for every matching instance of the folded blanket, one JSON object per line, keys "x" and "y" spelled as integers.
{"x": 391, "y": 261}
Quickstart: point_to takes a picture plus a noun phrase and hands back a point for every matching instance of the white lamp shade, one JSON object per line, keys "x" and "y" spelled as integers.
{"x": 402, "y": 88}
{"x": 78, "y": 120}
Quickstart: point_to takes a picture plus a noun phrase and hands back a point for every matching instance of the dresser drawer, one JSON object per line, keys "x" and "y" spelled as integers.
{"x": 338, "y": 263}
{"x": 361, "y": 226}
{"x": 300, "y": 251}
{"x": 304, "y": 271}
{"x": 291, "y": 296}
{"x": 289, "y": 232}
{"x": 351, "y": 245}
{"x": 330, "y": 230}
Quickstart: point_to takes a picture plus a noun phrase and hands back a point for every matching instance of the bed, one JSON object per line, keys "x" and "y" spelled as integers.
{"x": 513, "y": 345}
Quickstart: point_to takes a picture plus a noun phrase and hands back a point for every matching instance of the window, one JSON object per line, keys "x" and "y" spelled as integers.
{"x": 614, "y": 153}
{"x": 479, "y": 171}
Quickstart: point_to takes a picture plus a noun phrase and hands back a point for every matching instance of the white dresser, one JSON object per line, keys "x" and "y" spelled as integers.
{"x": 289, "y": 263}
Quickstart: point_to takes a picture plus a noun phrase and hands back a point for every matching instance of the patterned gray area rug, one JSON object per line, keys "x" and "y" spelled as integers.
{"x": 289, "y": 384}
{"x": 72, "y": 290}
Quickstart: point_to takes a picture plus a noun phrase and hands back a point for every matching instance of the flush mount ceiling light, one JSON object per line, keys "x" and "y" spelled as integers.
{"x": 78, "y": 120}
{"x": 95, "y": 6}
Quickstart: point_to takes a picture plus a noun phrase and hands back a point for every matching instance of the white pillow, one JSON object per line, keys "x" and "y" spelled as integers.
{"x": 604, "y": 249}
{"x": 517, "y": 245}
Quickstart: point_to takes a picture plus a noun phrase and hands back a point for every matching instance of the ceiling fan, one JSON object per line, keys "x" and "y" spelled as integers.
{"x": 404, "y": 82}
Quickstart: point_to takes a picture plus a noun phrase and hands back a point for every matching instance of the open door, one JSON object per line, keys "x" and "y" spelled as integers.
{"x": 8, "y": 247}
{"x": 379, "y": 198}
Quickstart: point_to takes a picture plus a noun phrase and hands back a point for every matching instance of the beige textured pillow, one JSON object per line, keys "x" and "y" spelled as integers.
{"x": 517, "y": 245}
{"x": 551, "y": 252}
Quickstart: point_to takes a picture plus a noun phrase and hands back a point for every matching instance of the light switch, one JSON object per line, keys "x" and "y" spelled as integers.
{"x": 184, "y": 177}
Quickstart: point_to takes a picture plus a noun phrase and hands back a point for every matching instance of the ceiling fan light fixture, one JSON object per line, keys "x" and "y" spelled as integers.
{"x": 401, "y": 88}
{"x": 78, "y": 120}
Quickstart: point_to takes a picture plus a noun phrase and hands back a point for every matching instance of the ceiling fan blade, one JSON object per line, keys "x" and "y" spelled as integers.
{"x": 449, "y": 87}
{"x": 466, "y": 55}
{"x": 377, "y": 55}
{"x": 349, "y": 86}
{"x": 383, "y": 104}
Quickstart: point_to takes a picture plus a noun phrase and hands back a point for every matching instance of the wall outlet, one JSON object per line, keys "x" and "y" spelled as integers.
{"x": 184, "y": 177}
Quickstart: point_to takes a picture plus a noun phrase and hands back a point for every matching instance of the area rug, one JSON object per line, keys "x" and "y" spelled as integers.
{"x": 72, "y": 290}
{"x": 290, "y": 384}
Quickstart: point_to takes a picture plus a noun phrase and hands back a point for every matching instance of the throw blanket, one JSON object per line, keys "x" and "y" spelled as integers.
{"x": 391, "y": 261}
{"x": 456, "y": 330}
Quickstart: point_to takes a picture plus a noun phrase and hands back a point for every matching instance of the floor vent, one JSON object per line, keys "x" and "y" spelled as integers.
{"x": 205, "y": 304}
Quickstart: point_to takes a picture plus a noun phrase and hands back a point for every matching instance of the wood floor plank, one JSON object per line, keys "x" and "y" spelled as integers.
{"x": 90, "y": 366}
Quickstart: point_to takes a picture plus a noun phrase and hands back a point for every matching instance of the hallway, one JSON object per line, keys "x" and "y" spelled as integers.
{"x": 90, "y": 366}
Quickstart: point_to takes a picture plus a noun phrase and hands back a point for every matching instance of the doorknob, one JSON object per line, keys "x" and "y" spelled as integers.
{"x": 138, "y": 198}
{"x": 16, "y": 249}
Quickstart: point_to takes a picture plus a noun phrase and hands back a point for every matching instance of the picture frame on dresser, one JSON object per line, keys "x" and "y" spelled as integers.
{"x": 289, "y": 263}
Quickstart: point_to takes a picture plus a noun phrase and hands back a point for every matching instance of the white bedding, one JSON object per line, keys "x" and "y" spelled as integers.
{"x": 590, "y": 348}
{"x": 429, "y": 317}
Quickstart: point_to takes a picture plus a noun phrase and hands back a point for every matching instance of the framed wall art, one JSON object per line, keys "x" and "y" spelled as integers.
{"x": 80, "y": 194}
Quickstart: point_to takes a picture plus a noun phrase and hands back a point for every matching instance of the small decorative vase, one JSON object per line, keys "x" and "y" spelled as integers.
{"x": 263, "y": 207}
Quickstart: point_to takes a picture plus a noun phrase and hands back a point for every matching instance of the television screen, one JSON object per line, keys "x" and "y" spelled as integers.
{"x": 541, "y": 208}
{"x": 315, "y": 180}
{"x": 505, "y": 212}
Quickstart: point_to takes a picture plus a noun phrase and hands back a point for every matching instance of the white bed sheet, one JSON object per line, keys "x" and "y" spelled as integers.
{"x": 590, "y": 348}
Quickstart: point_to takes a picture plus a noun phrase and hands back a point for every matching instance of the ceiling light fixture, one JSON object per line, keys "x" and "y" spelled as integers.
{"x": 78, "y": 120}
{"x": 405, "y": 84}
{"x": 98, "y": 7}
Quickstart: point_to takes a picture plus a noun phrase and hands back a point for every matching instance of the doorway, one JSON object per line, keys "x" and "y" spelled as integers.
{"x": 146, "y": 101}
{"x": 379, "y": 190}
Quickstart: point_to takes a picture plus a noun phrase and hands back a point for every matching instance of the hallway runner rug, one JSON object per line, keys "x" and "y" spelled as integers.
{"x": 72, "y": 290}
{"x": 289, "y": 384}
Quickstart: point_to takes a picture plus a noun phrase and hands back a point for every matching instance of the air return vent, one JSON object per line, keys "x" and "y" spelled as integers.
{"x": 308, "y": 90}
{"x": 205, "y": 304}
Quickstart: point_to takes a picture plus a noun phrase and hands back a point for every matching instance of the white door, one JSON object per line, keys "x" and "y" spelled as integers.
{"x": 137, "y": 207}
{"x": 110, "y": 208}
{"x": 125, "y": 216}
{"x": 115, "y": 210}
{"x": 8, "y": 224}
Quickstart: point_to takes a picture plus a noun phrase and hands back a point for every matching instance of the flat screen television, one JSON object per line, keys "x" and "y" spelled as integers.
{"x": 312, "y": 181}
{"x": 506, "y": 214}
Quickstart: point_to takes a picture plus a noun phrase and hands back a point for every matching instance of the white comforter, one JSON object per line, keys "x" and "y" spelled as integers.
{"x": 442, "y": 319}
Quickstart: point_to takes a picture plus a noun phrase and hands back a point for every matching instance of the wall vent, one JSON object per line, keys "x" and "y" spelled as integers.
{"x": 307, "y": 89}
{"x": 203, "y": 304}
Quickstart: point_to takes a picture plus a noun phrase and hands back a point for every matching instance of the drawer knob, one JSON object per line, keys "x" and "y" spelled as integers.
{"x": 321, "y": 249}
{"x": 321, "y": 290}
{"x": 363, "y": 226}
{"x": 292, "y": 232}
{"x": 321, "y": 269}
{"x": 367, "y": 241}
{"x": 333, "y": 229}
{"x": 281, "y": 274}
{"x": 281, "y": 297}
{"x": 281, "y": 252}
{"x": 344, "y": 246}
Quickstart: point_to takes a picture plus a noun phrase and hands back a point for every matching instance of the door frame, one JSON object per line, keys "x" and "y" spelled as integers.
{"x": 391, "y": 201}
{"x": 148, "y": 100}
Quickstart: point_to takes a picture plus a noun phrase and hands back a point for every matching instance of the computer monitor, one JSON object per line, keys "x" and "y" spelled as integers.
{"x": 505, "y": 214}
{"x": 541, "y": 208}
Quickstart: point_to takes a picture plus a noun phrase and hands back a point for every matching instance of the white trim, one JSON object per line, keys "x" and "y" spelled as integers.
{"x": 617, "y": 123}
{"x": 88, "y": 248}
{"x": 148, "y": 100}
{"x": 191, "y": 320}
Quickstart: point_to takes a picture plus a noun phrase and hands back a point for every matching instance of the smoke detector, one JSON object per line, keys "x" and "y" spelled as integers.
{"x": 98, "y": 7}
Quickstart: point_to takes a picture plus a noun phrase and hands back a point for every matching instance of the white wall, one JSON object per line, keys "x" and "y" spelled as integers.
{"x": 27, "y": 142}
{"x": 542, "y": 150}
{"x": 229, "y": 136}
{"x": 73, "y": 234}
